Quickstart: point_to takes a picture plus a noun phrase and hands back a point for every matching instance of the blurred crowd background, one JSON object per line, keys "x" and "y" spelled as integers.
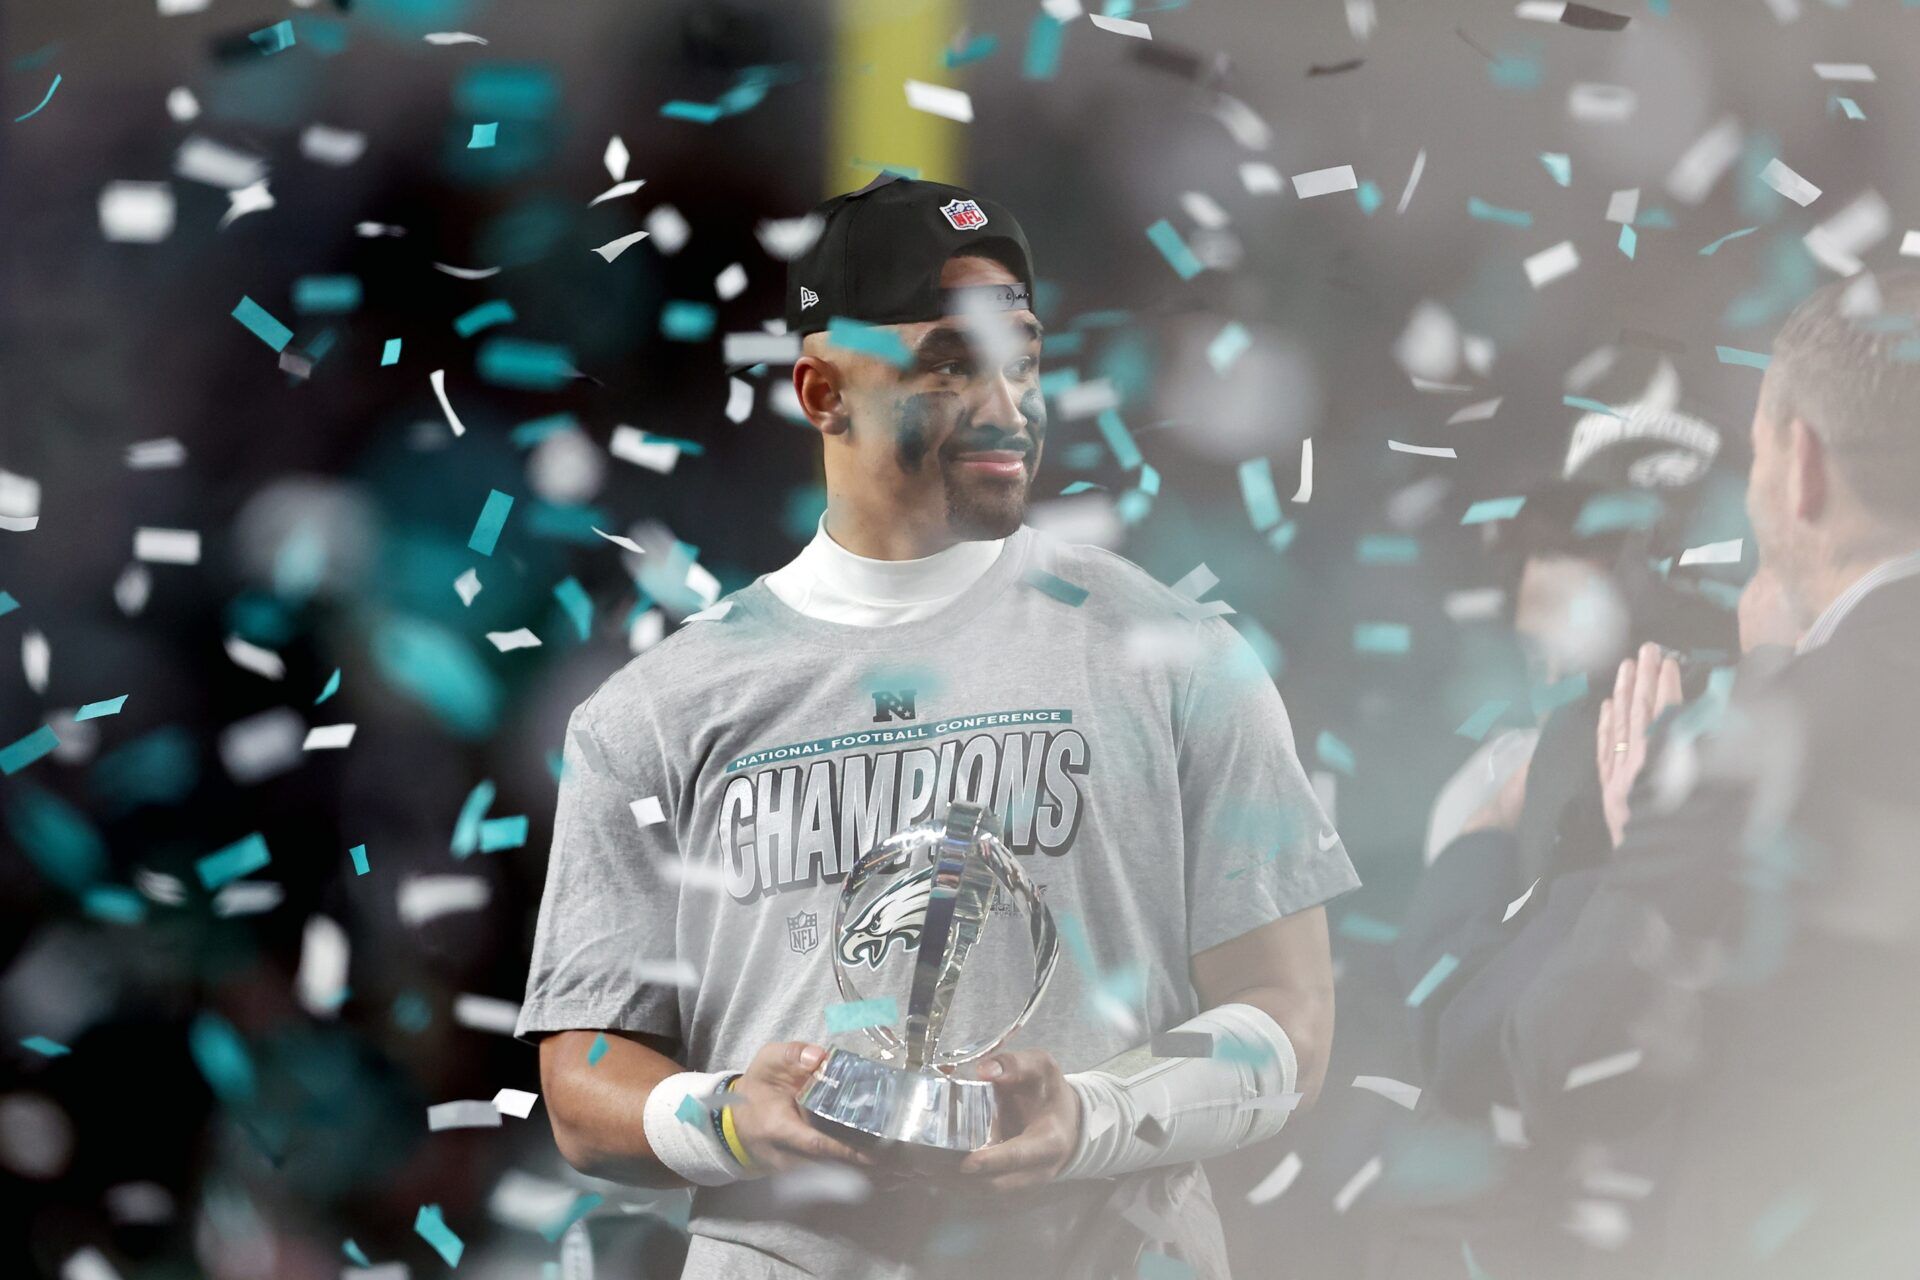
{"x": 226, "y": 1072}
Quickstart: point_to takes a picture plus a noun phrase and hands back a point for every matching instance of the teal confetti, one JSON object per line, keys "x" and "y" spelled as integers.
{"x": 1779, "y": 1223}
{"x": 1734, "y": 355}
{"x": 597, "y": 1050}
{"x": 684, "y": 321}
{"x": 1387, "y": 548}
{"x": 1613, "y": 512}
{"x": 1282, "y": 536}
{"x": 1549, "y": 698}
{"x": 1228, "y": 346}
{"x": 1439, "y": 973}
{"x": 44, "y": 1047}
{"x": 493, "y": 518}
{"x": 23, "y": 752}
{"x": 1119, "y": 439}
{"x": 492, "y": 312}
{"x": 1334, "y": 753}
{"x": 1256, "y": 489}
{"x": 1044, "y": 38}
{"x": 59, "y": 839}
{"x": 697, "y": 112}
{"x": 1149, "y": 479}
{"x": 356, "y": 1254}
{"x": 43, "y": 102}
{"x": 223, "y": 866}
{"x": 1514, "y": 71}
{"x": 113, "y": 905}
{"x": 583, "y": 1204}
{"x": 1849, "y": 107}
{"x": 531, "y": 433}
{"x": 1362, "y": 928}
{"x": 1591, "y": 406}
{"x": 1629, "y": 238}
{"x": 7, "y": 603}
{"x": 854, "y": 1015}
{"x": 1488, "y": 510}
{"x": 977, "y": 48}
{"x": 1174, "y": 249}
{"x": 573, "y": 598}
{"x": 483, "y": 136}
{"x": 868, "y": 339}
{"x": 262, "y": 325}
{"x": 333, "y": 687}
{"x": 466, "y": 828}
{"x": 359, "y": 855}
{"x": 523, "y": 365}
{"x": 105, "y": 707}
{"x": 1382, "y": 638}
{"x": 1155, "y": 1265}
{"x": 439, "y": 669}
{"x": 1080, "y": 486}
{"x": 1477, "y": 725}
{"x": 691, "y": 1112}
{"x": 326, "y": 295}
{"x": 1709, "y": 250}
{"x": 390, "y": 354}
{"x": 503, "y": 833}
{"x": 274, "y": 39}
{"x": 1058, "y": 588}
{"x": 1474, "y": 1271}
{"x": 1478, "y": 208}
{"x": 222, "y": 1057}
{"x": 431, "y": 1227}
{"x": 1369, "y": 197}
{"x": 1559, "y": 165}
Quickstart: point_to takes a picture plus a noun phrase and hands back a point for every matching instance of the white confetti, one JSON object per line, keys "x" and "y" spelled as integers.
{"x": 624, "y": 543}
{"x": 1856, "y": 72}
{"x": 1910, "y": 245}
{"x": 1204, "y": 210}
{"x": 1369, "y": 1173}
{"x": 136, "y": 212}
{"x": 328, "y": 737}
{"x": 1321, "y": 182}
{"x": 1601, "y": 103}
{"x": 152, "y": 455}
{"x": 1261, "y": 178}
{"x": 1478, "y": 412}
{"x": 938, "y": 100}
{"x": 453, "y": 37}
{"x": 217, "y": 165}
{"x": 668, "y": 228}
{"x": 1623, "y": 206}
{"x": 1513, "y": 908}
{"x": 324, "y": 144}
{"x": 517, "y": 1103}
{"x": 617, "y": 190}
{"x": 1788, "y": 183}
{"x": 1413, "y": 180}
{"x": 1702, "y": 164}
{"x": 1838, "y": 242}
{"x": 1305, "y": 492}
{"x": 439, "y": 380}
{"x": 518, "y": 638}
{"x": 484, "y": 1013}
{"x": 468, "y": 585}
{"x": 1362, "y": 17}
{"x": 739, "y": 349}
{"x": 465, "y": 1114}
{"x": 424, "y": 898}
{"x": 1476, "y": 604}
{"x": 731, "y": 283}
{"x": 251, "y": 657}
{"x": 466, "y": 273}
{"x": 647, "y": 811}
{"x": 321, "y": 979}
{"x": 1509, "y": 1126}
{"x": 262, "y": 745}
{"x": 1540, "y": 10}
{"x": 739, "y": 399}
{"x": 630, "y": 444}
{"x": 785, "y": 239}
{"x": 616, "y": 158}
{"x": 1424, "y": 450}
{"x": 1727, "y": 552}
{"x": 245, "y": 200}
{"x": 182, "y": 106}
{"x": 1275, "y": 1184}
{"x": 1606, "y": 1068}
{"x": 247, "y": 898}
{"x": 1394, "y": 1091}
{"x": 1548, "y": 265}
{"x": 1121, "y": 26}
{"x": 36, "y": 660}
{"x": 166, "y": 546}
{"x": 614, "y": 248}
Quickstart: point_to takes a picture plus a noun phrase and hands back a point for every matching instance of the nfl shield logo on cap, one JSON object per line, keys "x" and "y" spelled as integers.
{"x": 964, "y": 215}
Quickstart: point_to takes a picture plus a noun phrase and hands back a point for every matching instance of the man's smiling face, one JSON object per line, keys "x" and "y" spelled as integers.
{"x": 959, "y": 429}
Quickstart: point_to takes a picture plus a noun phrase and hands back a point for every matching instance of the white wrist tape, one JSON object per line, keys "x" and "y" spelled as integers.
{"x": 1138, "y": 1111}
{"x": 682, "y": 1141}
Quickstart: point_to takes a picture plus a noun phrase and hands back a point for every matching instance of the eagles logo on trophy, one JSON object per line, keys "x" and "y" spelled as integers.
{"x": 917, "y": 910}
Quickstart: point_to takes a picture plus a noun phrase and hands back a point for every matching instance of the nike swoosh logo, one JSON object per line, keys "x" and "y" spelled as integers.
{"x": 1327, "y": 839}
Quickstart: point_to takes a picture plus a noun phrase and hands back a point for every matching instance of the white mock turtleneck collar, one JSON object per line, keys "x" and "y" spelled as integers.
{"x": 828, "y": 581}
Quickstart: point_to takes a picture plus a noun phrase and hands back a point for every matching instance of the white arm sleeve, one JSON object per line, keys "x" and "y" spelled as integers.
{"x": 1138, "y": 1111}
{"x": 686, "y": 1143}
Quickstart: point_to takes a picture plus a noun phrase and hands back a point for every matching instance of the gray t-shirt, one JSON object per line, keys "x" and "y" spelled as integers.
{"x": 717, "y": 787}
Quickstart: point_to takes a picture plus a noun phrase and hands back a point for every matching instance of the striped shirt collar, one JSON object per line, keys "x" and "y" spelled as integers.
{"x": 1893, "y": 570}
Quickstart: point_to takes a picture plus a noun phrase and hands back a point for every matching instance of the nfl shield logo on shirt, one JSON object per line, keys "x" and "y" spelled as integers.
{"x": 965, "y": 215}
{"x": 803, "y": 932}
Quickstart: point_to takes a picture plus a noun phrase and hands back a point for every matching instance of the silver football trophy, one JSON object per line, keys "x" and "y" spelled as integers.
{"x": 937, "y": 889}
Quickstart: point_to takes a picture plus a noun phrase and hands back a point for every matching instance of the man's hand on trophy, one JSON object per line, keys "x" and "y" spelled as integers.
{"x": 1038, "y": 1118}
{"x": 766, "y": 1112}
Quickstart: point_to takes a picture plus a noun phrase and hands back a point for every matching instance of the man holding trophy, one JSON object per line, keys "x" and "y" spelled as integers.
{"x": 941, "y": 784}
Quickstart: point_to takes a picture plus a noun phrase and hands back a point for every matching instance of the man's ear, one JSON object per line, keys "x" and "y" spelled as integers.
{"x": 816, "y": 383}
{"x": 1808, "y": 472}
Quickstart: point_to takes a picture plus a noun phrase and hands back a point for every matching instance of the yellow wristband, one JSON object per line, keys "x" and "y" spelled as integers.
{"x": 732, "y": 1136}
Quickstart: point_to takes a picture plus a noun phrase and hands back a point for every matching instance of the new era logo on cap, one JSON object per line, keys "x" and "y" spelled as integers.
{"x": 807, "y": 297}
{"x": 964, "y": 215}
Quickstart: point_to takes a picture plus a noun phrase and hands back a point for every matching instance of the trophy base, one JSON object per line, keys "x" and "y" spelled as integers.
{"x": 928, "y": 1117}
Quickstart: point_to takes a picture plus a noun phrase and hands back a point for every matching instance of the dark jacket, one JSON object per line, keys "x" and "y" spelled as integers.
{"x": 1731, "y": 994}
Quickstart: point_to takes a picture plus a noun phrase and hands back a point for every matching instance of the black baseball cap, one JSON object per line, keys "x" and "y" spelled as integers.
{"x": 879, "y": 255}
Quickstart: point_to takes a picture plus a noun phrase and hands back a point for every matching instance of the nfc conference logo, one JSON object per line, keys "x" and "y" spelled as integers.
{"x": 892, "y": 705}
